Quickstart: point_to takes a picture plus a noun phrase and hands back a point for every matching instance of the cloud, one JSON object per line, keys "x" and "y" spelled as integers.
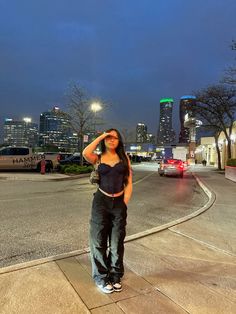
{"x": 131, "y": 53}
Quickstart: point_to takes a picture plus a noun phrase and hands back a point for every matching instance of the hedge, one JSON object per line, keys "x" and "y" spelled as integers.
{"x": 75, "y": 169}
{"x": 231, "y": 162}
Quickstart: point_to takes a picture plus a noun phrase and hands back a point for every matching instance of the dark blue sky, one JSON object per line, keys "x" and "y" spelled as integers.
{"x": 129, "y": 52}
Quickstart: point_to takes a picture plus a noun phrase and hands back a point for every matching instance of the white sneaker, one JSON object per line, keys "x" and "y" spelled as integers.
{"x": 105, "y": 287}
{"x": 117, "y": 286}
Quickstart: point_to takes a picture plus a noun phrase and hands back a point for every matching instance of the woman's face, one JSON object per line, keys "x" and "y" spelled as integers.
{"x": 112, "y": 140}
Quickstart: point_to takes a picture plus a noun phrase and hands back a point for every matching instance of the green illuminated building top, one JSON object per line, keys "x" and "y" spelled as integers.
{"x": 166, "y": 100}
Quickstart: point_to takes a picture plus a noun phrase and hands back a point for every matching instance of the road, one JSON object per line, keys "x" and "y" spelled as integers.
{"x": 41, "y": 219}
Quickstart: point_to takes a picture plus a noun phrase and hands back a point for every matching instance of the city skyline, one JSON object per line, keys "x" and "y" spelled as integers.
{"x": 54, "y": 119}
{"x": 47, "y": 123}
{"x": 130, "y": 54}
{"x": 147, "y": 136}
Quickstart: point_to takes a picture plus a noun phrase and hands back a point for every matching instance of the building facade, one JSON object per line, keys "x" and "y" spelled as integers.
{"x": 20, "y": 133}
{"x": 150, "y": 138}
{"x": 141, "y": 133}
{"x": 166, "y": 134}
{"x": 55, "y": 130}
{"x": 185, "y": 110}
{"x": 207, "y": 149}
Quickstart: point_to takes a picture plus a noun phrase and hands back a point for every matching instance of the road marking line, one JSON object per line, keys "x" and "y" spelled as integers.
{"x": 147, "y": 176}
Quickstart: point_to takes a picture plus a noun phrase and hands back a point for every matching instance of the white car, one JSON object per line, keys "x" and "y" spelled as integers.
{"x": 16, "y": 158}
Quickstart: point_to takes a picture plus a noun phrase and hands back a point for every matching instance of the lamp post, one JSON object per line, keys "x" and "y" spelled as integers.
{"x": 191, "y": 123}
{"x": 95, "y": 107}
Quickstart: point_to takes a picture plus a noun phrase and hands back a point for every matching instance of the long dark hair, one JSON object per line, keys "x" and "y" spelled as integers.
{"x": 120, "y": 152}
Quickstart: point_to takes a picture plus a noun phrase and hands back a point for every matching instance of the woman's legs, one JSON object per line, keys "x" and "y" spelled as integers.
{"x": 116, "y": 240}
{"x": 108, "y": 221}
{"x": 99, "y": 231}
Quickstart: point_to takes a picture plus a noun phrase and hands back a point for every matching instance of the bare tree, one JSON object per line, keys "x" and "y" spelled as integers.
{"x": 84, "y": 118}
{"x": 80, "y": 113}
{"x": 230, "y": 73}
{"x": 216, "y": 107}
{"x": 230, "y": 76}
{"x": 209, "y": 122}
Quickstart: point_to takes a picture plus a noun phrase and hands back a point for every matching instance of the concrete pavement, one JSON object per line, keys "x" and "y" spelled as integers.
{"x": 36, "y": 176}
{"x": 186, "y": 268}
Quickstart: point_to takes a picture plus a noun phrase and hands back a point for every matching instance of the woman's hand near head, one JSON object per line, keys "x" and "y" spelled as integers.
{"x": 105, "y": 134}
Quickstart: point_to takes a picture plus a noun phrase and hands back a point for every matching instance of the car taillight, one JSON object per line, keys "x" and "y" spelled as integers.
{"x": 181, "y": 167}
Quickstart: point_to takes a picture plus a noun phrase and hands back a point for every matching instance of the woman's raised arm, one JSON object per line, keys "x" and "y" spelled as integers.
{"x": 88, "y": 152}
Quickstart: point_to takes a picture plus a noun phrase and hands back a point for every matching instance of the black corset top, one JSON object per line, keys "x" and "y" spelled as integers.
{"x": 111, "y": 177}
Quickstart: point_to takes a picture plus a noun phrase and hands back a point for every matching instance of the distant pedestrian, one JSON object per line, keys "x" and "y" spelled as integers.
{"x": 109, "y": 210}
{"x": 204, "y": 162}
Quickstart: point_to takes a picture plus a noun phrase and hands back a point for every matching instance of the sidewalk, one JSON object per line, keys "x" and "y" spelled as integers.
{"x": 188, "y": 268}
{"x": 36, "y": 176}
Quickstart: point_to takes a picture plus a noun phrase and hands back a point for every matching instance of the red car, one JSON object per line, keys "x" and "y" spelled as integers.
{"x": 171, "y": 167}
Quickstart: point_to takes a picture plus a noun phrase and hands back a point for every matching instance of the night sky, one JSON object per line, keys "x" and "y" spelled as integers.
{"x": 130, "y": 53}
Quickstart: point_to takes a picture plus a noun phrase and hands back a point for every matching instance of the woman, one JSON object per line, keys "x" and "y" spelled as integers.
{"x": 109, "y": 210}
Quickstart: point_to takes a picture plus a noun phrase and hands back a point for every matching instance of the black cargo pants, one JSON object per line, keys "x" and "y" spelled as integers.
{"x": 107, "y": 233}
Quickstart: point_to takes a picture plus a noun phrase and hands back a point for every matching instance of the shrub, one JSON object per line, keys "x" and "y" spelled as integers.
{"x": 231, "y": 162}
{"x": 75, "y": 169}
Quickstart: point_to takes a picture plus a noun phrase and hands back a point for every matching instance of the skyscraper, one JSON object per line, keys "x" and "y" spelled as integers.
{"x": 166, "y": 134}
{"x": 185, "y": 107}
{"x": 55, "y": 129}
{"x": 20, "y": 133}
{"x": 150, "y": 138}
{"x": 141, "y": 133}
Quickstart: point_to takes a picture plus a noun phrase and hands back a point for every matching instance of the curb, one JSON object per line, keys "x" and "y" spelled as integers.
{"x": 41, "y": 179}
{"x": 211, "y": 199}
{"x": 74, "y": 177}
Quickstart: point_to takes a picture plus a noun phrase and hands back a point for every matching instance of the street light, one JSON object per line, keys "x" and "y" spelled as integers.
{"x": 95, "y": 107}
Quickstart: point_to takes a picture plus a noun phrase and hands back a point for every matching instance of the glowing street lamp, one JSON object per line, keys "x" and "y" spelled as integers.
{"x": 95, "y": 107}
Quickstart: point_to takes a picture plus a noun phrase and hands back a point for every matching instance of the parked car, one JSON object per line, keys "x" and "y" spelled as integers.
{"x": 22, "y": 158}
{"x": 58, "y": 155}
{"x": 171, "y": 167}
{"x": 73, "y": 160}
{"x": 63, "y": 156}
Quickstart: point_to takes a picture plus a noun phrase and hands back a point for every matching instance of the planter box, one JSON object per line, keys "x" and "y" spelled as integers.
{"x": 230, "y": 173}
